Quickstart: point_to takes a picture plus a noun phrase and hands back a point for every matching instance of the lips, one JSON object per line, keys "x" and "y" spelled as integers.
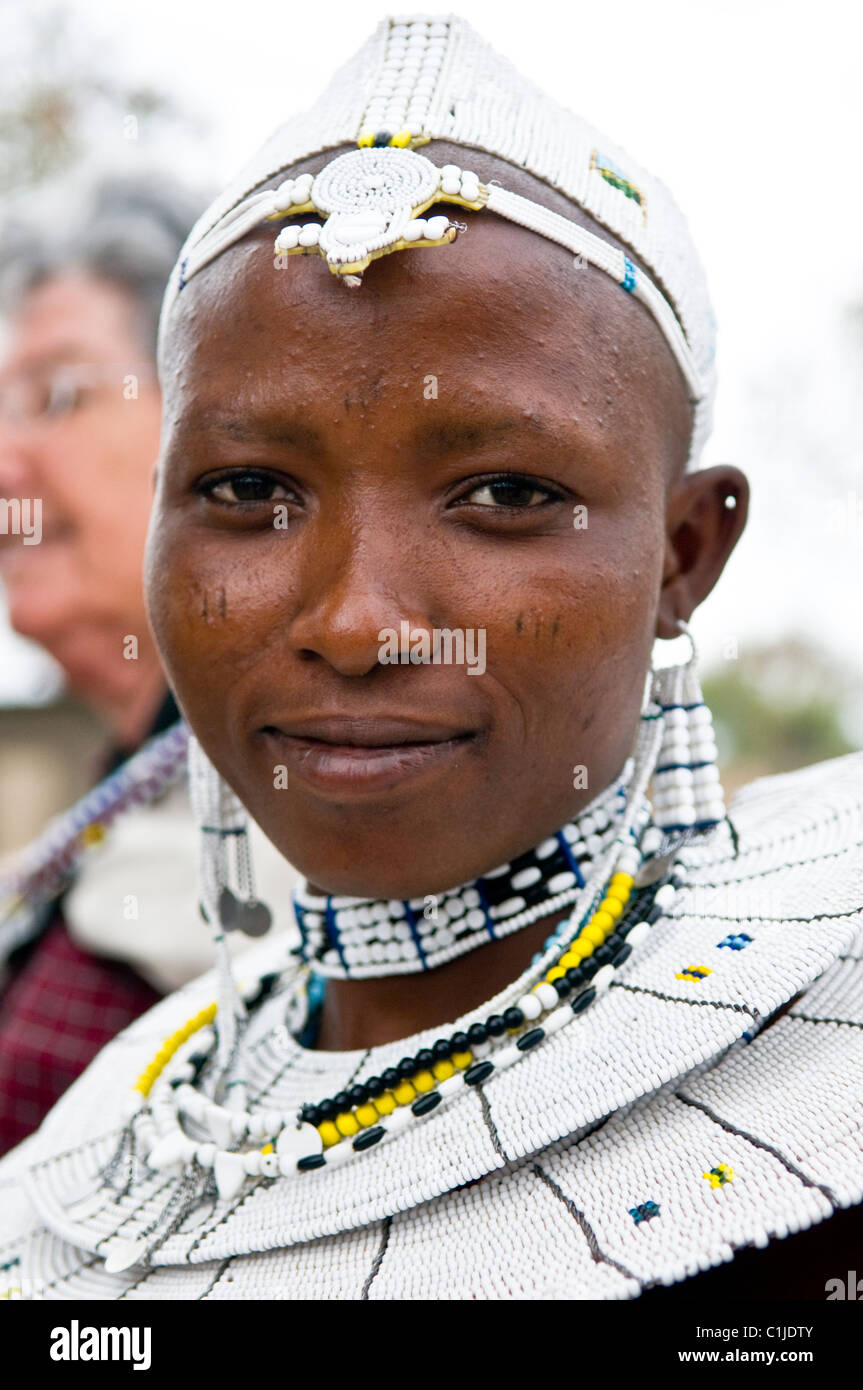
{"x": 343, "y": 756}
{"x": 375, "y": 731}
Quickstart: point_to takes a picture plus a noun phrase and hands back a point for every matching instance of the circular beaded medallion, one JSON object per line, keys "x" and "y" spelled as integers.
{"x": 372, "y": 181}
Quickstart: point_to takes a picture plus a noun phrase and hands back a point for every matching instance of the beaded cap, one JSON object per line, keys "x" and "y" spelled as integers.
{"x": 434, "y": 77}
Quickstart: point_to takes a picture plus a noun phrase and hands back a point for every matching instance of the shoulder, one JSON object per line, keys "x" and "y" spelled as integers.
{"x": 817, "y": 811}
{"x": 821, "y": 791}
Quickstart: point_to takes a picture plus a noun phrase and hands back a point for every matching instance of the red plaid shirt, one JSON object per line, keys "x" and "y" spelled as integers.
{"x": 60, "y": 1008}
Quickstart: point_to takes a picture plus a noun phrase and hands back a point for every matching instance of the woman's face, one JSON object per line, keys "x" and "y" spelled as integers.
{"x": 481, "y": 438}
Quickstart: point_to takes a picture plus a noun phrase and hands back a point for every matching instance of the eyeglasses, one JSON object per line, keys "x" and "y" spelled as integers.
{"x": 34, "y": 399}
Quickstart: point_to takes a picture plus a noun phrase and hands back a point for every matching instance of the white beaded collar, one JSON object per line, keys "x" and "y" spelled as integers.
{"x": 789, "y": 881}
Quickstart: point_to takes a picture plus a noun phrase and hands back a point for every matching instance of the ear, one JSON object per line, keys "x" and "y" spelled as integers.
{"x": 703, "y": 525}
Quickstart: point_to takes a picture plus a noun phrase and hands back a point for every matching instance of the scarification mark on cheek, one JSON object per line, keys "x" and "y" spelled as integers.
{"x": 213, "y": 607}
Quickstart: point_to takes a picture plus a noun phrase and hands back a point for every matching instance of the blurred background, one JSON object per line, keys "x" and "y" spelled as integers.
{"x": 751, "y": 112}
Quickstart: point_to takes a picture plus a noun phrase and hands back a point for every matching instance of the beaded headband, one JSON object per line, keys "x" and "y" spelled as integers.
{"x": 372, "y": 199}
{"x": 421, "y": 79}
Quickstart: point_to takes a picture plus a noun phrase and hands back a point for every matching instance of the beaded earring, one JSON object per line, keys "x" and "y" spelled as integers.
{"x": 687, "y": 793}
{"x": 225, "y": 880}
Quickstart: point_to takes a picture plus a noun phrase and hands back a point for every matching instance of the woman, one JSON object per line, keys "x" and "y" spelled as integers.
{"x": 412, "y": 543}
{"x": 79, "y": 429}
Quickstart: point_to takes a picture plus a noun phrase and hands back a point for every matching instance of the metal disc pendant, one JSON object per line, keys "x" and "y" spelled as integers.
{"x": 252, "y": 917}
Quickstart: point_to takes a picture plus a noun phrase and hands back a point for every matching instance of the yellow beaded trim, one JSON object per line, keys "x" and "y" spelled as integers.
{"x": 402, "y": 139}
{"x": 150, "y": 1074}
{"x": 598, "y": 926}
{"x": 363, "y": 1116}
{"x": 720, "y": 1175}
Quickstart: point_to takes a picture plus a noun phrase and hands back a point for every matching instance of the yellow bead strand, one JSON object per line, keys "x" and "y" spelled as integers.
{"x": 151, "y": 1073}
{"x": 600, "y": 925}
{"x": 594, "y": 932}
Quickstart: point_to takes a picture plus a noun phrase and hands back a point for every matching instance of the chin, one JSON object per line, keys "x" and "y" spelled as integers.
{"x": 368, "y": 868}
{"x": 39, "y": 622}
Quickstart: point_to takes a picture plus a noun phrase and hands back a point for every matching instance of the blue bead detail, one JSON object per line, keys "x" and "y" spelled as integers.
{"x": 699, "y": 825}
{"x": 333, "y": 932}
{"x": 411, "y": 917}
{"x": 681, "y": 767}
{"x": 628, "y": 281}
{"x": 315, "y": 990}
{"x": 643, "y": 1212}
{"x": 570, "y": 858}
{"x": 736, "y": 941}
{"x": 483, "y": 902}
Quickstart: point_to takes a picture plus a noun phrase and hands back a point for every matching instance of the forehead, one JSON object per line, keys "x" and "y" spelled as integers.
{"x": 505, "y": 312}
{"x": 69, "y": 316}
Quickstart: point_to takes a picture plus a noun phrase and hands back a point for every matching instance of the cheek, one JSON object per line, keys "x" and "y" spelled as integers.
{"x": 209, "y": 611}
{"x": 572, "y": 632}
{"x": 101, "y": 485}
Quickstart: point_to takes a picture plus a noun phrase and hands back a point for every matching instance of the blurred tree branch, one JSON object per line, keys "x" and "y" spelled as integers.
{"x": 57, "y": 99}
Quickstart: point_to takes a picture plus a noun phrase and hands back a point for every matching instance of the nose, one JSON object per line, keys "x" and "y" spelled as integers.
{"x": 360, "y": 582}
{"x": 17, "y": 469}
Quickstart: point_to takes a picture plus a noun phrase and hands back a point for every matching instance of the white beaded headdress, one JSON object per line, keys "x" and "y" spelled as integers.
{"x": 423, "y": 78}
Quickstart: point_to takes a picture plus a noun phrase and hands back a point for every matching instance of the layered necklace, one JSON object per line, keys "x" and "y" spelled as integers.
{"x": 356, "y": 938}
{"x": 615, "y": 896}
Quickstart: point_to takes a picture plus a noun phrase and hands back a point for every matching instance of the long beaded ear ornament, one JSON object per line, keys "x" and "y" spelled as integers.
{"x": 228, "y": 899}
{"x": 687, "y": 794}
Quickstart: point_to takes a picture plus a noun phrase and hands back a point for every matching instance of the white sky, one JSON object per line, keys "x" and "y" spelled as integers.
{"x": 750, "y": 111}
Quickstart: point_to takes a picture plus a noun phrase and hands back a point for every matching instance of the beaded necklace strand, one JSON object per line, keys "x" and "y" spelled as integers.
{"x": 357, "y": 938}
{"x": 580, "y": 962}
{"x": 365, "y": 1113}
{"x": 48, "y": 865}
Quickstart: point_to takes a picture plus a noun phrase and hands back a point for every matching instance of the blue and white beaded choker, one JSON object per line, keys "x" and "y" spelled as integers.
{"x": 355, "y": 938}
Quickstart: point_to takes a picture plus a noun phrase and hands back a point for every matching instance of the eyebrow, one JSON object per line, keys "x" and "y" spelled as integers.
{"x": 440, "y": 436}
{"x": 447, "y": 436}
{"x": 245, "y": 430}
{"x": 58, "y": 355}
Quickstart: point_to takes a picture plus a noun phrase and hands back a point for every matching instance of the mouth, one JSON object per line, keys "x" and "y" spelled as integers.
{"x": 343, "y": 757}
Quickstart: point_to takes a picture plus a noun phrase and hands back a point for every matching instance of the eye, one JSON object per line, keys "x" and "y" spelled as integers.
{"x": 247, "y": 487}
{"x": 510, "y": 491}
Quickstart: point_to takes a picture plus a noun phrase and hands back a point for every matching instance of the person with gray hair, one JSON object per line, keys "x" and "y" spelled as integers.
{"x": 79, "y": 428}
{"x": 80, "y": 414}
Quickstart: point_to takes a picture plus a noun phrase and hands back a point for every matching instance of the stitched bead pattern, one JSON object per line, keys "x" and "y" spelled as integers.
{"x": 357, "y": 938}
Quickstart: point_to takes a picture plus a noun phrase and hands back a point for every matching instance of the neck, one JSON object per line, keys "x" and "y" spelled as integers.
{"x": 392, "y": 971}
{"x": 368, "y": 1013}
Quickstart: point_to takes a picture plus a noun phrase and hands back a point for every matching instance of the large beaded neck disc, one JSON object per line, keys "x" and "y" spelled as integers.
{"x": 356, "y": 938}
